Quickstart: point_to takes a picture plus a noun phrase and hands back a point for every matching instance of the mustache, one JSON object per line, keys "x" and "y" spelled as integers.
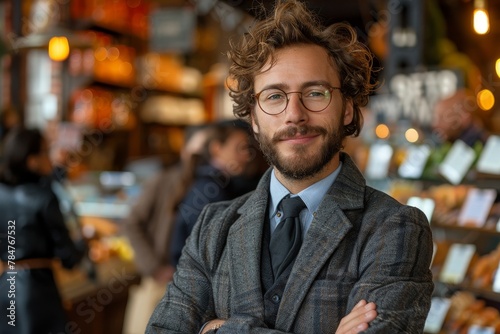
{"x": 303, "y": 130}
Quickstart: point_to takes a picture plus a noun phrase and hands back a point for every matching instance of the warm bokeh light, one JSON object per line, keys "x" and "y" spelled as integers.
{"x": 382, "y": 131}
{"x": 101, "y": 53}
{"x": 481, "y": 21}
{"x": 411, "y": 135}
{"x": 126, "y": 68}
{"x": 485, "y": 99}
{"x": 497, "y": 67}
{"x": 58, "y": 48}
{"x": 113, "y": 53}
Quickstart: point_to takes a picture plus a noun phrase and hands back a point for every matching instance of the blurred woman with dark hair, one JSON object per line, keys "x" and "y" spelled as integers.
{"x": 227, "y": 156}
{"x": 32, "y": 235}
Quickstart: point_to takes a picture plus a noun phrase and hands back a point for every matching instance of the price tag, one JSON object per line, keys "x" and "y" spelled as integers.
{"x": 427, "y": 205}
{"x": 496, "y": 281}
{"x": 488, "y": 161}
{"x": 379, "y": 160}
{"x": 436, "y": 315}
{"x": 456, "y": 263}
{"x": 477, "y": 206}
{"x": 475, "y": 329}
{"x": 457, "y": 162}
{"x": 414, "y": 163}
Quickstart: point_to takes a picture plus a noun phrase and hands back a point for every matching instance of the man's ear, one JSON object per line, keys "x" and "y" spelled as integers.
{"x": 348, "y": 112}
{"x": 255, "y": 126}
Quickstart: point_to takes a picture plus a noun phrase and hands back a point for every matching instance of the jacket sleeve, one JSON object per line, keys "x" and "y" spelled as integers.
{"x": 135, "y": 226}
{"x": 395, "y": 273}
{"x": 68, "y": 251}
{"x": 189, "y": 300}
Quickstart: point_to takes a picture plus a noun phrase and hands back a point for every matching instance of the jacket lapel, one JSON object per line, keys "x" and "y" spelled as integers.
{"x": 327, "y": 230}
{"x": 244, "y": 249}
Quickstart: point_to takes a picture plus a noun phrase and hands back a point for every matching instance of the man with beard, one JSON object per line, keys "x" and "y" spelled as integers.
{"x": 251, "y": 265}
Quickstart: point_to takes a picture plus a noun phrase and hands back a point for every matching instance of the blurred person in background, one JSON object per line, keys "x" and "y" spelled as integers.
{"x": 149, "y": 228}
{"x": 221, "y": 178}
{"x": 456, "y": 117}
{"x": 32, "y": 223}
{"x": 8, "y": 120}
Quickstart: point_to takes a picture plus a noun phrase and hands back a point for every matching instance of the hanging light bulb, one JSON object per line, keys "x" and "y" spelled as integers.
{"x": 481, "y": 19}
{"x": 58, "y": 48}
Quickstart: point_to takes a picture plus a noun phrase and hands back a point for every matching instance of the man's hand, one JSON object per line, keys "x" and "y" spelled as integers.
{"x": 353, "y": 323}
{"x": 358, "y": 319}
{"x": 212, "y": 324}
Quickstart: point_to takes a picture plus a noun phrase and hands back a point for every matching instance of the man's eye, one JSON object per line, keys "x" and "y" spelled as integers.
{"x": 276, "y": 96}
{"x": 315, "y": 93}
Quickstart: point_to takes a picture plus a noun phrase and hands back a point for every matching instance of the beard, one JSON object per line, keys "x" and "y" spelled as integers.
{"x": 305, "y": 162}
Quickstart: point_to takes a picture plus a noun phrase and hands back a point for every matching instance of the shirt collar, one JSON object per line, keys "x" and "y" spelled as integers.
{"x": 312, "y": 195}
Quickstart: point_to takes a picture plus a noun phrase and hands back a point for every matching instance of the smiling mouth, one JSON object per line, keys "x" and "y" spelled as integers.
{"x": 300, "y": 138}
{"x": 299, "y": 134}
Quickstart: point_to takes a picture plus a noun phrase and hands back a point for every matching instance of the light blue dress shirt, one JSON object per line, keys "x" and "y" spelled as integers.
{"x": 312, "y": 197}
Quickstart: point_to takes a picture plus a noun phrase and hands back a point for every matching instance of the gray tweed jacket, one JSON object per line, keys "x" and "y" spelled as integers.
{"x": 362, "y": 244}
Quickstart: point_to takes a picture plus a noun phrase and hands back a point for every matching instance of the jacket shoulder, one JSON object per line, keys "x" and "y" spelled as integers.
{"x": 225, "y": 211}
{"x": 210, "y": 232}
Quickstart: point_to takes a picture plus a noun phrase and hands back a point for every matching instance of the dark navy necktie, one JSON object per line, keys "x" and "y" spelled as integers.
{"x": 287, "y": 237}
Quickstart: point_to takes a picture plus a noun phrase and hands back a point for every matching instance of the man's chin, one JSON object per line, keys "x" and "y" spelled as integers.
{"x": 298, "y": 168}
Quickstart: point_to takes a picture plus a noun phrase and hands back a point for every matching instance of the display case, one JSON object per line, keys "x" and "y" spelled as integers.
{"x": 95, "y": 292}
{"x": 460, "y": 196}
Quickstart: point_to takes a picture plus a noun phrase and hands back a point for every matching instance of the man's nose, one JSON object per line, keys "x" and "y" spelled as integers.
{"x": 295, "y": 111}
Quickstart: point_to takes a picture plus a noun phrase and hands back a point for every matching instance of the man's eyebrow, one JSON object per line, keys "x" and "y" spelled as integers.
{"x": 284, "y": 86}
{"x": 279, "y": 85}
{"x": 314, "y": 83}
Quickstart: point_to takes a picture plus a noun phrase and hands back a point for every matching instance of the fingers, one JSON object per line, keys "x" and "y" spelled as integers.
{"x": 213, "y": 324}
{"x": 361, "y": 303}
{"x": 358, "y": 319}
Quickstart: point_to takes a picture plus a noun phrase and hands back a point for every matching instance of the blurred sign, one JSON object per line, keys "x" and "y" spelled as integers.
{"x": 488, "y": 161}
{"x": 457, "y": 262}
{"x": 172, "y": 30}
{"x": 379, "y": 160}
{"x": 476, "y": 329}
{"x": 457, "y": 162}
{"x": 415, "y": 161}
{"x": 496, "y": 282}
{"x": 412, "y": 96}
{"x": 437, "y": 314}
{"x": 477, "y": 206}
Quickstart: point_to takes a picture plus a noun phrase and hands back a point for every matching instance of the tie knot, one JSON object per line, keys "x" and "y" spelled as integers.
{"x": 292, "y": 206}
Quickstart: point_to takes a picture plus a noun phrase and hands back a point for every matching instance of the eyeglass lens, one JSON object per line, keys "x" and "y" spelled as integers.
{"x": 275, "y": 100}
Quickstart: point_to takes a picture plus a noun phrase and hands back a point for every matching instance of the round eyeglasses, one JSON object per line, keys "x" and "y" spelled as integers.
{"x": 274, "y": 101}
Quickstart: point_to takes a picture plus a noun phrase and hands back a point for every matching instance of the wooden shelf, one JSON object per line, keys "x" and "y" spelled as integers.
{"x": 117, "y": 32}
{"x": 467, "y": 229}
{"x": 486, "y": 294}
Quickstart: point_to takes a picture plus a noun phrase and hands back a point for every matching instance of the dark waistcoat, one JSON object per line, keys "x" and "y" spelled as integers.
{"x": 272, "y": 288}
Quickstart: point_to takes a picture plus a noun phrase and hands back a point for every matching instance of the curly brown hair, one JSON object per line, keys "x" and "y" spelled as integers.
{"x": 292, "y": 24}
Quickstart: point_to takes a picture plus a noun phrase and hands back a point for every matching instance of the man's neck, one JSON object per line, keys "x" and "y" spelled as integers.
{"x": 295, "y": 186}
